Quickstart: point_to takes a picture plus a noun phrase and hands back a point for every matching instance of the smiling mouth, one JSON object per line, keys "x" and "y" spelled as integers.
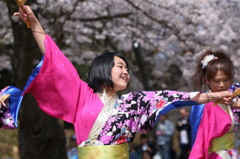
{"x": 124, "y": 78}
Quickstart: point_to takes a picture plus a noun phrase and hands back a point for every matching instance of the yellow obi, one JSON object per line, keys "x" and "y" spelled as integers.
{"x": 104, "y": 152}
{"x": 222, "y": 143}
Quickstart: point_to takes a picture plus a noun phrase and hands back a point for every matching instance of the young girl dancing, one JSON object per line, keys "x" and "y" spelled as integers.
{"x": 104, "y": 122}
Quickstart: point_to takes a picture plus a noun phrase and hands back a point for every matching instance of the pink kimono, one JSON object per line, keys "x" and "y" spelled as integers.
{"x": 214, "y": 136}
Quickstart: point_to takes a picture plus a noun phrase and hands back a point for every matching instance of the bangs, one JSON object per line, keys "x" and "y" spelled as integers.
{"x": 219, "y": 65}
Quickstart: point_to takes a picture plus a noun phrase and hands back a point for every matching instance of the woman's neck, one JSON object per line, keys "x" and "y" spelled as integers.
{"x": 105, "y": 98}
{"x": 111, "y": 93}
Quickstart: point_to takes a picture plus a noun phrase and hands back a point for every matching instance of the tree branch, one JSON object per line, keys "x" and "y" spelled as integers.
{"x": 162, "y": 22}
{"x": 102, "y": 18}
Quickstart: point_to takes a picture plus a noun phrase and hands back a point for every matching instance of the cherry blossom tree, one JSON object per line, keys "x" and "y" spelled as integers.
{"x": 170, "y": 33}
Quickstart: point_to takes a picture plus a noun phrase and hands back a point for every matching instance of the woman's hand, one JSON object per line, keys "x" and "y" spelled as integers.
{"x": 2, "y": 103}
{"x": 2, "y": 99}
{"x": 224, "y": 96}
{"x": 25, "y": 13}
{"x": 229, "y": 100}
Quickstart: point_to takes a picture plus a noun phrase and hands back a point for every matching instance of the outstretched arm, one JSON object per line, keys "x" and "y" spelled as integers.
{"x": 26, "y": 14}
{"x": 213, "y": 97}
{"x": 147, "y": 106}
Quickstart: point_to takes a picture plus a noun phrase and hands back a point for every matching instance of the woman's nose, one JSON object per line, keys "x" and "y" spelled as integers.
{"x": 125, "y": 71}
{"x": 222, "y": 84}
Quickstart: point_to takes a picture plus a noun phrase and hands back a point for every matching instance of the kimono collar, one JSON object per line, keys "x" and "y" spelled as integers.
{"x": 107, "y": 100}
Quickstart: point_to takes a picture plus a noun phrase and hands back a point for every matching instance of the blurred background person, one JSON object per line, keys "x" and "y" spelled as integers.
{"x": 146, "y": 149}
{"x": 184, "y": 128}
{"x": 164, "y": 133}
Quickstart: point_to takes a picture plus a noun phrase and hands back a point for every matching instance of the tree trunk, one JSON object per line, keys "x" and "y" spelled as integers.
{"x": 40, "y": 136}
{"x": 142, "y": 65}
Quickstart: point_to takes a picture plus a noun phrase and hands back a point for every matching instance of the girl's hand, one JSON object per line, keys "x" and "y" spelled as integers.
{"x": 26, "y": 13}
{"x": 228, "y": 101}
{"x": 217, "y": 97}
{"x": 2, "y": 99}
{"x": 223, "y": 96}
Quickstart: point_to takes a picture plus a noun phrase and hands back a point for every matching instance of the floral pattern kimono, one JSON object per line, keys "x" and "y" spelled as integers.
{"x": 98, "y": 119}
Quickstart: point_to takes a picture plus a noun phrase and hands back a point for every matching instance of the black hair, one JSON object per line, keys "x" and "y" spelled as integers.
{"x": 99, "y": 74}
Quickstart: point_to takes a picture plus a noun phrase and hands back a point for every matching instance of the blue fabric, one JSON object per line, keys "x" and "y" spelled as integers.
{"x": 195, "y": 119}
{"x": 33, "y": 74}
{"x": 195, "y": 116}
{"x": 175, "y": 105}
{"x": 72, "y": 153}
{"x": 14, "y": 101}
{"x": 234, "y": 87}
{"x": 16, "y": 95}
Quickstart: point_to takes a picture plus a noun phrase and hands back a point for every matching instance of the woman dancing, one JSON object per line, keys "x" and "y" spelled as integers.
{"x": 213, "y": 126}
{"x": 104, "y": 122}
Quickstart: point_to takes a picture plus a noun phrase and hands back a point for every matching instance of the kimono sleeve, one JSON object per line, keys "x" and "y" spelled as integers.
{"x": 56, "y": 85}
{"x": 149, "y": 105}
{"x": 195, "y": 119}
{"x": 208, "y": 129}
{"x": 9, "y": 113}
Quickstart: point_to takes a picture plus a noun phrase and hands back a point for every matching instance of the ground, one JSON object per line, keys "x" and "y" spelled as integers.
{"x": 9, "y": 143}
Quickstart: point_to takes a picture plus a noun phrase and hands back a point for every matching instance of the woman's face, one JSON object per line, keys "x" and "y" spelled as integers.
{"x": 220, "y": 82}
{"x": 120, "y": 75}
